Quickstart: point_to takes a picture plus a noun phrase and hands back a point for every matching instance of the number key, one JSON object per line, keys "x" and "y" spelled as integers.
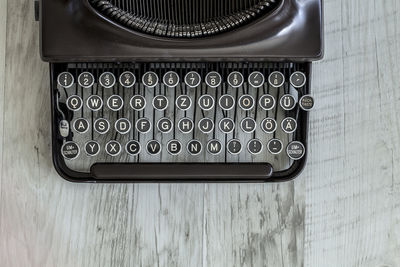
{"x": 150, "y": 79}
{"x": 127, "y": 79}
{"x": 65, "y": 79}
{"x": 107, "y": 79}
{"x": 235, "y": 79}
{"x": 276, "y": 79}
{"x": 86, "y": 79}
{"x": 192, "y": 79}
{"x": 213, "y": 79}
{"x": 171, "y": 79}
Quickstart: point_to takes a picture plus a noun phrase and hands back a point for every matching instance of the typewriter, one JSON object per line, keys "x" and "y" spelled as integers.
{"x": 180, "y": 90}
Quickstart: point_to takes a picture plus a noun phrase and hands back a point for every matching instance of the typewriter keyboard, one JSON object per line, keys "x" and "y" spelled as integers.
{"x": 180, "y": 113}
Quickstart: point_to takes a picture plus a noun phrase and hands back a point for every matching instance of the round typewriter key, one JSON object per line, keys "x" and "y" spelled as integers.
{"x": 183, "y": 102}
{"x": 174, "y": 147}
{"x": 298, "y": 79}
{"x": 86, "y": 79}
{"x": 192, "y": 79}
{"x": 226, "y": 125}
{"x": 288, "y": 102}
{"x": 107, "y": 80}
{"x": 92, "y": 148}
{"x": 164, "y": 125}
{"x": 213, "y": 79}
{"x": 214, "y": 147}
{"x": 150, "y": 79}
{"x": 101, "y": 126}
{"x": 115, "y": 102}
{"x": 275, "y": 146}
{"x": 171, "y": 79}
{"x": 276, "y": 79}
{"x": 113, "y": 148}
{"x": 206, "y": 125}
{"x": 133, "y": 148}
{"x": 235, "y": 79}
{"x": 160, "y": 102}
{"x": 94, "y": 102}
{"x": 256, "y": 79}
{"x": 289, "y": 125}
{"x": 70, "y": 150}
{"x": 122, "y": 126}
{"x": 226, "y": 102}
{"x": 153, "y": 147}
{"x": 306, "y": 102}
{"x": 295, "y": 150}
{"x": 194, "y": 147}
{"x": 206, "y": 102}
{"x": 74, "y": 103}
{"x": 234, "y": 146}
{"x": 185, "y": 125}
{"x": 143, "y": 125}
{"x": 127, "y": 79}
{"x": 255, "y": 146}
{"x": 138, "y": 102}
{"x": 248, "y": 125}
{"x": 246, "y": 102}
{"x": 269, "y": 125}
{"x": 65, "y": 79}
{"x": 267, "y": 102}
{"x": 81, "y": 125}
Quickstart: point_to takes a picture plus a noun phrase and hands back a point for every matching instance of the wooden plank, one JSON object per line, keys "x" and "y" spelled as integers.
{"x": 353, "y": 177}
{"x": 46, "y": 221}
{"x": 3, "y": 29}
{"x": 254, "y": 225}
{"x": 348, "y": 199}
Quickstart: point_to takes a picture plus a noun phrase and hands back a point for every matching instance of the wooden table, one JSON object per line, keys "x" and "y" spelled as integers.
{"x": 343, "y": 211}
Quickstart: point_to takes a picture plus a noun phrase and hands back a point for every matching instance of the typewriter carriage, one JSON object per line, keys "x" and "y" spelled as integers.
{"x": 72, "y": 30}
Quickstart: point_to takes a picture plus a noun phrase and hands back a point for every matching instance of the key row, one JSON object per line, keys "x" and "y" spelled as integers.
{"x": 184, "y": 125}
{"x": 184, "y": 102}
{"x": 294, "y": 150}
{"x": 192, "y": 79}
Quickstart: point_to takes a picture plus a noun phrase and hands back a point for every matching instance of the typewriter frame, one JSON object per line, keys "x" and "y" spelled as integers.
{"x": 70, "y": 29}
{"x": 182, "y": 174}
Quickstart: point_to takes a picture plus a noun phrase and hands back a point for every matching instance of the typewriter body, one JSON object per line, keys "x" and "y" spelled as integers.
{"x": 180, "y": 90}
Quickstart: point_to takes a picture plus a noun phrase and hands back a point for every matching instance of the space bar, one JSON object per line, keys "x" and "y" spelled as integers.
{"x": 148, "y": 172}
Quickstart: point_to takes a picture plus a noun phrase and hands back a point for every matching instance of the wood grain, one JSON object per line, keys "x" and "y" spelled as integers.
{"x": 46, "y": 221}
{"x": 3, "y": 29}
{"x": 343, "y": 211}
{"x": 353, "y": 177}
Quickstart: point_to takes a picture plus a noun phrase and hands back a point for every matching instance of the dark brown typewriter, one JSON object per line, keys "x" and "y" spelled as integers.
{"x": 180, "y": 90}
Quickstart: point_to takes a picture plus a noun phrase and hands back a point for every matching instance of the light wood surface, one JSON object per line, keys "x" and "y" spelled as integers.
{"x": 343, "y": 211}
{"x": 353, "y": 178}
{"x": 3, "y": 18}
